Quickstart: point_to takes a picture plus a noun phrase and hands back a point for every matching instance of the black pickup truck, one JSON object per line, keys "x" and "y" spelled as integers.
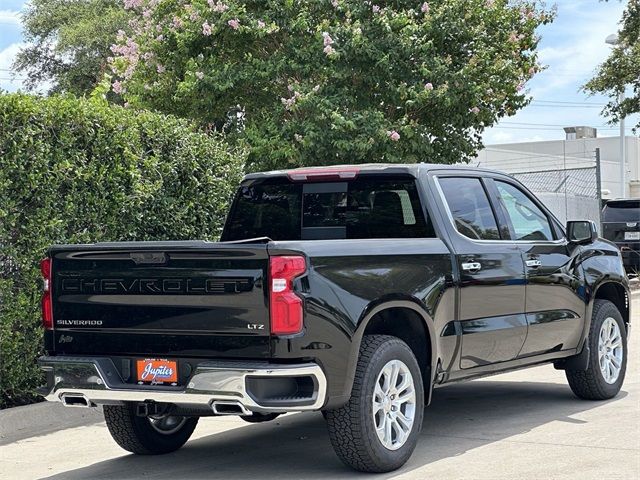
{"x": 351, "y": 290}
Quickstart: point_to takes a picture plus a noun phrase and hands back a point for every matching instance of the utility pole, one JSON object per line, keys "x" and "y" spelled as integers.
{"x": 623, "y": 152}
{"x": 599, "y": 190}
{"x": 614, "y": 40}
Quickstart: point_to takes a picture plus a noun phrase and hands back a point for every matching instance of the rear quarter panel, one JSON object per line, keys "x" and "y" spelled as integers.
{"x": 348, "y": 281}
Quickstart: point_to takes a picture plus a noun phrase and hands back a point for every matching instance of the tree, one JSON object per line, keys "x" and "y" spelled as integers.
{"x": 68, "y": 42}
{"x": 340, "y": 81}
{"x": 622, "y": 68}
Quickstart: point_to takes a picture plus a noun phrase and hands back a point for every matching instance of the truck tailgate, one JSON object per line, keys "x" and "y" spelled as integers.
{"x": 161, "y": 298}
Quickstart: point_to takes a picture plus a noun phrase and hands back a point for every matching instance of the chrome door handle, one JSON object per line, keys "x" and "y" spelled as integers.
{"x": 471, "y": 267}
{"x": 533, "y": 263}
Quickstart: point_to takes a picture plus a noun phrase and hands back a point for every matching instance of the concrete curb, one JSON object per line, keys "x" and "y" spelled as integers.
{"x": 18, "y": 423}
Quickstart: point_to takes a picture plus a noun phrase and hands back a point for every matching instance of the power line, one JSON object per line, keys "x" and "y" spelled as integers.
{"x": 568, "y": 103}
{"x": 565, "y": 106}
{"x": 599, "y": 127}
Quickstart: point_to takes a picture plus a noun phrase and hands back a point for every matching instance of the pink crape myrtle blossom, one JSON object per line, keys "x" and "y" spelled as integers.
{"x": 206, "y": 29}
{"x": 117, "y": 87}
{"x": 513, "y": 38}
{"x": 326, "y": 38}
{"x": 234, "y": 23}
{"x": 393, "y": 135}
{"x": 375, "y": 9}
{"x": 160, "y": 68}
{"x": 130, "y": 52}
{"x": 290, "y": 102}
{"x": 424, "y": 8}
{"x": 428, "y": 86}
{"x": 218, "y": 7}
{"x": 177, "y": 22}
{"x": 474, "y": 110}
{"x": 329, "y": 50}
{"x": 490, "y": 3}
{"x": 129, "y": 4}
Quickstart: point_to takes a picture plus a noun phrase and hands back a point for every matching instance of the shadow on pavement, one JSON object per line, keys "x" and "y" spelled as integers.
{"x": 461, "y": 417}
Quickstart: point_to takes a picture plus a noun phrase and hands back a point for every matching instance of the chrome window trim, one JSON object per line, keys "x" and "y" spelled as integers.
{"x": 436, "y": 179}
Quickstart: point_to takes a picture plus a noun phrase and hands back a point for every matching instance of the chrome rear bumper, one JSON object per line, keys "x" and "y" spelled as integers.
{"x": 95, "y": 381}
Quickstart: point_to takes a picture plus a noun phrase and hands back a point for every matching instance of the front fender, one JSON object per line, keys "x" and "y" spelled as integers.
{"x": 601, "y": 263}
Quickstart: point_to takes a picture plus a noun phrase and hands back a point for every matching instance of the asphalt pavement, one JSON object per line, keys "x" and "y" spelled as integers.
{"x": 520, "y": 425}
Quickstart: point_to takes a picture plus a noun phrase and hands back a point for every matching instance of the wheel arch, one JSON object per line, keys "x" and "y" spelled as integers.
{"x": 415, "y": 328}
{"x": 617, "y": 294}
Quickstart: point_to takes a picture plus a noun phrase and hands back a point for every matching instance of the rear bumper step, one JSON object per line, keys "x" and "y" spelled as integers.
{"x": 226, "y": 387}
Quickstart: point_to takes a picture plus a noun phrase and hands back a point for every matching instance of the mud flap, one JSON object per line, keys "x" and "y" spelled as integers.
{"x": 575, "y": 362}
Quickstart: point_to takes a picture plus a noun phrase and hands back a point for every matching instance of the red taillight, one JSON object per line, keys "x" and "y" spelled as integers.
{"x": 285, "y": 306}
{"x": 323, "y": 174}
{"x": 47, "y": 305}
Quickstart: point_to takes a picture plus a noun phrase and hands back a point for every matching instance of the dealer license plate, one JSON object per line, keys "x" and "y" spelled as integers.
{"x": 155, "y": 371}
{"x": 632, "y": 235}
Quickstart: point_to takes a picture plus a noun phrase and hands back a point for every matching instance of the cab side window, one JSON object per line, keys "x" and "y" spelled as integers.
{"x": 470, "y": 207}
{"x": 528, "y": 221}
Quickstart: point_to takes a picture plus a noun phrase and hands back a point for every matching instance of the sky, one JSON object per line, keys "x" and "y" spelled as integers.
{"x": 571, "y": 48}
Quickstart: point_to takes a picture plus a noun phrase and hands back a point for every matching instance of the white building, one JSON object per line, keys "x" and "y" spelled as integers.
{"x": 578, "y": 150}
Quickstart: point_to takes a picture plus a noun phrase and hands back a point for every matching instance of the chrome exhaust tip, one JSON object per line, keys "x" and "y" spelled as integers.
{"x": 75, "y": 400}
{"x": 229, "y": 407}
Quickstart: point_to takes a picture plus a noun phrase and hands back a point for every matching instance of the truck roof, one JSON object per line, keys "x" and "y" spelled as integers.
{"x": 390, "y": 168}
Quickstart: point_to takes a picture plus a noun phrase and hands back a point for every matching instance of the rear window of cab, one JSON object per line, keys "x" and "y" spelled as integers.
{"x": 366, "y": 207}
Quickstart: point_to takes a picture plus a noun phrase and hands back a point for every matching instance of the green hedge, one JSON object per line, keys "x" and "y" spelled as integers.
{"x": 74, "y": 170}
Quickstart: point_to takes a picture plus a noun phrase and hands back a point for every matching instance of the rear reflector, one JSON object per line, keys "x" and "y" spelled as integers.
{"x": 47, "y": 305}
{"x": 323, "y": 174}
{"x": 285, "y": 307}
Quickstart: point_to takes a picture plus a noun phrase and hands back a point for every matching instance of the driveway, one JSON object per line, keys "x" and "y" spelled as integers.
{"x": 524, "y": 424}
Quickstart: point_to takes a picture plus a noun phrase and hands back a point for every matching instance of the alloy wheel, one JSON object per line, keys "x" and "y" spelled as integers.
{"x": 394, "y": 404}
{"x": 610, "y": 350}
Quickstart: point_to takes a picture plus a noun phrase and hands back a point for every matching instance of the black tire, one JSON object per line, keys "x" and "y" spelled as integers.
{"x": 590, "y": 384}
{"x": 137, "y": 435}
{"x": 352, "y": 427}
{"x": 260, "y": 417}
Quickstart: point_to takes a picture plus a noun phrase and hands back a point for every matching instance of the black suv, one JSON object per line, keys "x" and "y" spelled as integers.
{"x": 621, "y": 225}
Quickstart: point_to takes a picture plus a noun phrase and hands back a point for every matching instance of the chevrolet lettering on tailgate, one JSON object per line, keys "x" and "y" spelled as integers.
{"x": 155, "y": 285}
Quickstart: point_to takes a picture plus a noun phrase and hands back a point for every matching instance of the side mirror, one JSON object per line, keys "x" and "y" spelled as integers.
{"x": 582, "y": 232}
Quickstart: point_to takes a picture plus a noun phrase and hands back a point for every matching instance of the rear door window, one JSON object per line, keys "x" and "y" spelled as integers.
{"x": 368, "y": 207}
{"x": 470, "y": 207}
